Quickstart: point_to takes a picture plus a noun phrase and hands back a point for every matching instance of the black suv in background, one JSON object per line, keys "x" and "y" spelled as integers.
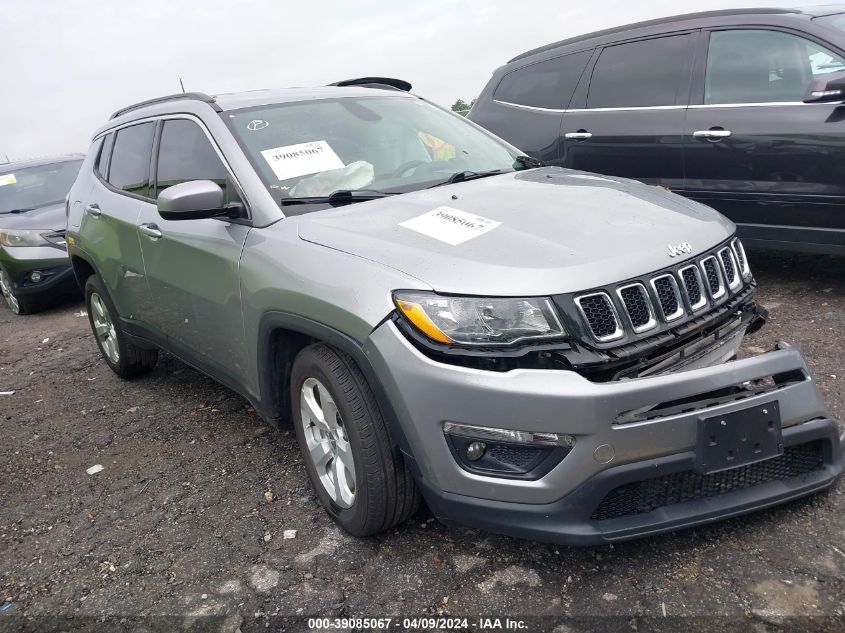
{"x": 740, "y": 109}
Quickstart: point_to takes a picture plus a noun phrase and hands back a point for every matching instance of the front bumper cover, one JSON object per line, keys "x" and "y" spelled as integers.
{"x": 424, "y": 393}
{"x": 570, "y": 520}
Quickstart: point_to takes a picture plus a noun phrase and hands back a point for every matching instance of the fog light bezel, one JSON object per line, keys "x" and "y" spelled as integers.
{"x": 549, "y": 448}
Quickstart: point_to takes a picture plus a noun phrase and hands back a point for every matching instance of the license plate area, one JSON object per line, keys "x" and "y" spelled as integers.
{"x": 739, "y": 438}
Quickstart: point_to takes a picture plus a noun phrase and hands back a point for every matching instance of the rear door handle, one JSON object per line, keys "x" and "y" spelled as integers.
{"x": 150, "y": 230}
{"x": 712, "y": 134}
{"x": 580, "y": 135}
{"x": 94, "y": 209}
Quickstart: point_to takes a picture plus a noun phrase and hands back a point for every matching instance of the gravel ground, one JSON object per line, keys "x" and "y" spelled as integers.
{"x": 187, "y": 517}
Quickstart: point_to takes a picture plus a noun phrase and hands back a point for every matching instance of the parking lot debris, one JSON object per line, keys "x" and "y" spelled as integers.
{"x": 7, "y": 393}
{"x": 5, "y": 607}
{"x": 268, "y": 537}
{"x": 268, "y": 496}
{"x": 94, "y": 469}
{"x": 289, "y": 534}
{"x": 45, "y": 341}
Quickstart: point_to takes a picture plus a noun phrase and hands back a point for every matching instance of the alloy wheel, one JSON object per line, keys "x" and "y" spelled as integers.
{"x": 104, "y": 328}
{"x": 327, "y": 442}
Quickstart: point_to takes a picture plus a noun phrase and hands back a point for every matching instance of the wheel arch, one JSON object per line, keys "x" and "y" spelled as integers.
{"x": 82, "y": 269}
{"x": 281, "y": 336}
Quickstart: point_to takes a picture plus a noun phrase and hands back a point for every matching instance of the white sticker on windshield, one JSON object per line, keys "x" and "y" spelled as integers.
{"x": 450, "y": 225}
{"x": 7, "y": 179}
{"x": 302, "y": 159}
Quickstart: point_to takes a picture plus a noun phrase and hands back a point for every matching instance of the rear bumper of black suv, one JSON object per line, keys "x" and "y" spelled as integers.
{"x": 658, "y": 495}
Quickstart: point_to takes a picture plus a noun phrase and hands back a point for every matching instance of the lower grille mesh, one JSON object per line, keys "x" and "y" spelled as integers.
{"x": 648, "y": 495}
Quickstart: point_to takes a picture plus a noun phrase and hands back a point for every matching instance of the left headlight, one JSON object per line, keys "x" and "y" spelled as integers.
{"x": 23, "y": 238}
{"x": 479, "y": 321}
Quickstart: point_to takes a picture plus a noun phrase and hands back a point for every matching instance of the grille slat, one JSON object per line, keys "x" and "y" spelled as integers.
{"x": 668, "y": 297}
{"x": 729, "y": 268}
{"x": 638, "y": 306}
{"x": 692, "y": 287}
{"x": 739, "y": 253}
{"x": 714, "y": 277}
{"x": 600, "y": 316}
{"x": 646, "y": 496}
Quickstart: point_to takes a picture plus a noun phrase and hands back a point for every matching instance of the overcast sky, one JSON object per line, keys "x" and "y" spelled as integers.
{"x": 68, "y": 64}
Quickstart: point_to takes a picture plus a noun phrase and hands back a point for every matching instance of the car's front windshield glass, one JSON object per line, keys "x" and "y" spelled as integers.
{"x": 33, "y": 187}
{"x": 370, "y": 144}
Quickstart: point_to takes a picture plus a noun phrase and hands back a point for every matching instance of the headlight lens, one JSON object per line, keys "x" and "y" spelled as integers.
{"x": 23, "y": 238}
{"x": 479, "y": 321}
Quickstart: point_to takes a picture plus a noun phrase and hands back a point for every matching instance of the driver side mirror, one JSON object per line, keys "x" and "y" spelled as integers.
{"x": 827, "y": 88}
{"x": 195, "y": 200}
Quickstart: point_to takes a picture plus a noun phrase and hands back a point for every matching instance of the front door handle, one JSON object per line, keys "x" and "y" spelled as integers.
{"x": 150, "y": 230}
{"x": 713, "y": 134}
{"x": 580, "y": 135}
{"x": 94, "y": 209}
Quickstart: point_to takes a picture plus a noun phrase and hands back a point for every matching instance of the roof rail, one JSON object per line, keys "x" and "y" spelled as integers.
{"x": 376, "y": 82}
{"x": 195, "y": 96}
{"x": 655, "y": 22}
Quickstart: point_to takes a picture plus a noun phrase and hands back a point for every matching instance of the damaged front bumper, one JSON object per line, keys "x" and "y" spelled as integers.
{"x": 626, "y": 433}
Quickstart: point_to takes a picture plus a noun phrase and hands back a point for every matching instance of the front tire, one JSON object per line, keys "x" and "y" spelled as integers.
{"x": 359, "y": 474}
{"x": 18, "y": 305}
{"x": 125, "y": 358}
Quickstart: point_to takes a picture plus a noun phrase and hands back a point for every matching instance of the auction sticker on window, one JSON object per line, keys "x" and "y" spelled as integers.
{"x": 292, "y": 161}
{"x": 7, "y": 179}
{"x": 450, "y": 225}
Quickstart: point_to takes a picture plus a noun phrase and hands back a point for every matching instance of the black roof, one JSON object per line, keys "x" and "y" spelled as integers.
{"x": 655, "y": 22}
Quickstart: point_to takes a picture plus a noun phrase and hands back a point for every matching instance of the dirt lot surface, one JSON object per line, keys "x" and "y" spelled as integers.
{"x": 188, "y": 516}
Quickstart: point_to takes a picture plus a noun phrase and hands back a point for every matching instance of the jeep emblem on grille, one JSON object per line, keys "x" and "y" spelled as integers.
{"x": 680, "y": 249}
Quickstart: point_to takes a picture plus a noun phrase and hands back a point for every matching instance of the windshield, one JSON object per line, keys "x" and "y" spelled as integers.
{"x": 836, "y": 21}
{"x": 34, "y": 187}
{"x": 384, "y": 144}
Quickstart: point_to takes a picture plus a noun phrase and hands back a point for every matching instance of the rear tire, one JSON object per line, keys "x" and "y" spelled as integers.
{"x": 125, "y": 358}
{"x": 378, "y": 491}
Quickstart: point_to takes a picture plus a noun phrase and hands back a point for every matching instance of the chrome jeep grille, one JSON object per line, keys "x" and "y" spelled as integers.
{"x": 665, "y": 297}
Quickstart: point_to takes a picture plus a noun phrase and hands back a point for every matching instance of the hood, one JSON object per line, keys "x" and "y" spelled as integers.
{"x": 51, "y": 218}
{"x": 540, "y": 232}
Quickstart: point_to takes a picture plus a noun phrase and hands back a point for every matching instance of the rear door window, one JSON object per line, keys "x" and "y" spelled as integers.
{"x": 548, "y": 84}
{"x": 760, "y": 66}
{"x": 186, "y": 154}
{"x": 129, "y": 169}
{"x": 105, "y": 155}
{"x": 644, "y": 73}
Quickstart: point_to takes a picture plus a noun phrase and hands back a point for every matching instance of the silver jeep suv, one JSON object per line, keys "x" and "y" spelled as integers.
{"x": 536, "y": 351}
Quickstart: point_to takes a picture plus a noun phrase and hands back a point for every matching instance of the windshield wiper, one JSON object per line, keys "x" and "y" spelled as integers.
{"x": 341, "y": 196}
{"x": 463, "y": 176}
